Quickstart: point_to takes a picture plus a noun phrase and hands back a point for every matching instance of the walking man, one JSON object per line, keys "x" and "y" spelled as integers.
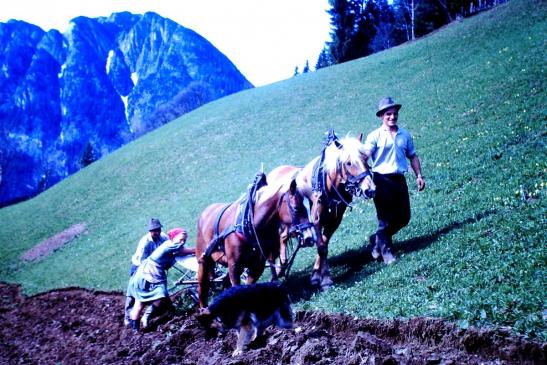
{"x": 389, "y": 147}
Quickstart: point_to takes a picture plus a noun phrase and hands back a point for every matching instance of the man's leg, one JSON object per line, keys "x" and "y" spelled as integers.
{"x": 162, "y": 307}
{"x": 384, "y": 242}
{"x": 149, "y": 312}
{"x": 387, "y": 209}
{"x": 135, "y": 314}
{"x": 401, "y": 200}
{"x": 129, "y": 302}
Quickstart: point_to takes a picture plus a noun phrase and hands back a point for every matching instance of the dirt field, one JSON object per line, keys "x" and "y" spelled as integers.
{"x": 76, "y": 326}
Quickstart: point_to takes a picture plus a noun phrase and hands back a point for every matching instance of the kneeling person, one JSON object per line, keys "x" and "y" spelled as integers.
{"x": 250, "y": 309}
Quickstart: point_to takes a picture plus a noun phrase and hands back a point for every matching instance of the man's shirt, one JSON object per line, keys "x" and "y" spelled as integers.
{"x": 389, "y": 154}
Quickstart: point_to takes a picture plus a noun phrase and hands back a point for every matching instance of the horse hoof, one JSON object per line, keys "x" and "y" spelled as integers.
{"x": 315, "y": 279}
{"x": 374, "y": 249}
{"x": 326, "y": 283}
{"x": 388, "y": 258}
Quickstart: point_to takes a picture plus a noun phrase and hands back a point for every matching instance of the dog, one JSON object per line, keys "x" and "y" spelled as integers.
{"x": 249, "y": 309}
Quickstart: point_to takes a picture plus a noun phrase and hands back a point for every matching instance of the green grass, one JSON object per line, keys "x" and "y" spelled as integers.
{"x": 473, "y": 96}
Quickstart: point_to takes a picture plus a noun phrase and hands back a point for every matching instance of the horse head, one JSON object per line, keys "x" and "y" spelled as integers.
{"x": 300, "y": 226}
{"x": 347, "y": 157}
{"x": 287, "y": 204}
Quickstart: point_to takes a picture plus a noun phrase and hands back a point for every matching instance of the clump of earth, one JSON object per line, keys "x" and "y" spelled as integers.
{"x": 77, "y": 326}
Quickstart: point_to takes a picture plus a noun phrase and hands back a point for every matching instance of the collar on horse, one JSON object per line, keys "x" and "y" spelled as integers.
{"x": 319, "y": 179}
{"x": 335, "y": 198}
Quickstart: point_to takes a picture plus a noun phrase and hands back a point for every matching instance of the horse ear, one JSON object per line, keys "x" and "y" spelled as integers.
{"x": 360, "y": 137}
{"x": 292, "y": 188}
{"x": 338, "y": 144}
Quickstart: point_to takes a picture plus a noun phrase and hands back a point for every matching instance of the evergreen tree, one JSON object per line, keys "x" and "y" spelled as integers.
{"x": 306, "y": 68}
{"x": 387, "y": 34}
{"x": 324, "y": 59}
{"x": 344, "y": 15}
{"x": 88, "y": 156}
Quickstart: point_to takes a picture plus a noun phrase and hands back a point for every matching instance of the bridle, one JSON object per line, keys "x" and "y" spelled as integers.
{"x": 296, "y": 229}
{"x": 353, "y": 182}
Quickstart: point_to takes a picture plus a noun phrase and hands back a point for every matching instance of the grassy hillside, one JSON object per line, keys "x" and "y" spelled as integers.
{"x": 473, "y": 96}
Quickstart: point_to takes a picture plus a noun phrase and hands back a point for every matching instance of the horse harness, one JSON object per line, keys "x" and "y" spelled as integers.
{"x": 319, "y": 181}
{"x": 296, "y": 229}
{"x": 243, "y": 226}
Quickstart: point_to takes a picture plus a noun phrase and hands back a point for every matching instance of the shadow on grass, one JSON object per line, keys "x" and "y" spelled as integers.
{"x": 346, "y": 265}
{"x": 419, "y": 243}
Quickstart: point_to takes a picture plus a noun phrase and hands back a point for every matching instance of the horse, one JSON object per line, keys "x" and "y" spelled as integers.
{"x": 330, "y": 182}
{"x": 245, "y": 233}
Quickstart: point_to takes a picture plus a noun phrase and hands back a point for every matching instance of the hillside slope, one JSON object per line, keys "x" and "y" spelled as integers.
{"x": 473, "y": 95}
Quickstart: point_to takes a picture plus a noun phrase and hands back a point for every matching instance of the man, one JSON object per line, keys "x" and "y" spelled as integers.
{"x": 147, "y": 244}
{"x": 389, "y": 147}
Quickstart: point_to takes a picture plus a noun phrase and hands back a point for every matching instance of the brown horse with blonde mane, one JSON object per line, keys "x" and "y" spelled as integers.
{"x": 330, "y": 182}
{"x": 245, "y": 233}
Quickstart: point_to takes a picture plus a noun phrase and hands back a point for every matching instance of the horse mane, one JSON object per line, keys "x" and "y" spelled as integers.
{"x": 269, "y": 191}
{"x": 281, "y": 185}
{"x": 352, "y": 151}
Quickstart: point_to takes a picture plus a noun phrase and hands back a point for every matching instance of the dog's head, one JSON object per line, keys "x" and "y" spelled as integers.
{"x": 209, "y": 321}
{"x": 204, "y": 317}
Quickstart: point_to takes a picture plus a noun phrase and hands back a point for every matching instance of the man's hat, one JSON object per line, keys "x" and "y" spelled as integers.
{"x": 386, "y": 103}
{"x": 154, "y": 224}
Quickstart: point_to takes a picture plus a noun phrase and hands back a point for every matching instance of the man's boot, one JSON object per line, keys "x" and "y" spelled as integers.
{"x": 129, "y": 303}
{"x": 374, "y": 248}
{"x": 387, "y": 252}
{"x": 150, "y": 311}
{"x": 134, "y": 324}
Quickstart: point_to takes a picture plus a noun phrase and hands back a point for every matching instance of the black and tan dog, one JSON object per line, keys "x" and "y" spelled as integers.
{"x": 250, "y": 309}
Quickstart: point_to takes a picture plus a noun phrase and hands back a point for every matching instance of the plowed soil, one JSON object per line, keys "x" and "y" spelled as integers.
{"x": 76, "y": 326}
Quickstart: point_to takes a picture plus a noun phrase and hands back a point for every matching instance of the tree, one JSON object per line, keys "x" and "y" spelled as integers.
{"x": 344, "y": 15}
{"x": 88, "y": 156}
{"x": 354, "y": 27}
{"x": 386, "y": 34}
{"x": 324, "y": 59}
{"x": 407, "y": 10}
{"x": 306, "y": 68}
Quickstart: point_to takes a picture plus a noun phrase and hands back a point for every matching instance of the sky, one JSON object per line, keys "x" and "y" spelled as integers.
{"x": 265, "y": 39}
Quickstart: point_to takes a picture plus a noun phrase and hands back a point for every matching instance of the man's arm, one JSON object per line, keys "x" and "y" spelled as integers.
{"x": 417, "y": 167}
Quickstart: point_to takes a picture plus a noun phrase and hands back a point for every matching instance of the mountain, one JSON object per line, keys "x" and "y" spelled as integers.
{"x": 102, "y": 83}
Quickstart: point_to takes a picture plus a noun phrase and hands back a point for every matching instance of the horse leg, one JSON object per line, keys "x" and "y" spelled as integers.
{"x": 322, "y": 274}
{"x": 315, "y": 278}
{"x": 204, "y": 270}
{"x": 283, "y": 238}
{"x": 275, "y": 269}
{"x": 234, "y": 272}
{"x": 328, "y": 231}
{"x": 255, "y": 273}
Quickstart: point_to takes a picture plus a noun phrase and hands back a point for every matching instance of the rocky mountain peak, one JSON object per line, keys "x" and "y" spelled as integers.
{"x": 103, "y": 82}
